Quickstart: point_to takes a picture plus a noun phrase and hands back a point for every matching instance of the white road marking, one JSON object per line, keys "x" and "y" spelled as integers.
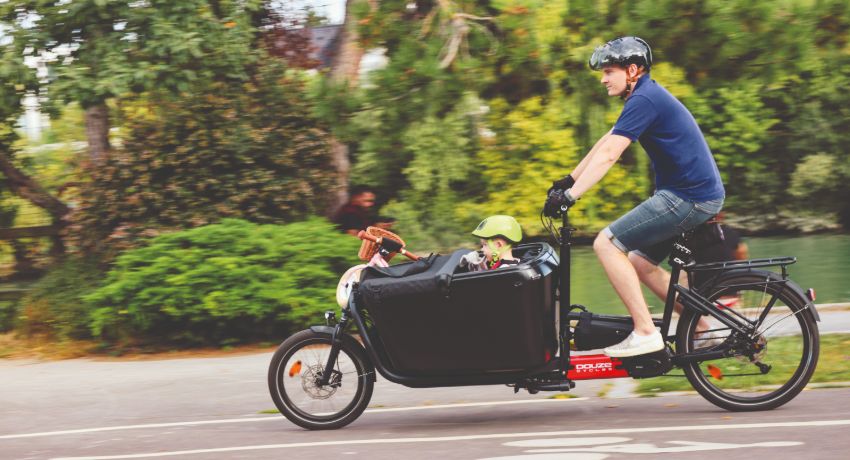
{"x": 566, "y": 442}
{"x": 571, "y": 456}
{"x": 278, "y": 417}
{"x": 684, "y": 446}
{"x": 745, "y": 426}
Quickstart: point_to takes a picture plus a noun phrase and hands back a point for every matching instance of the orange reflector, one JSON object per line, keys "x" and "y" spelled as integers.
{"x": 715, "y": 372}
{"x": 295, "y": 369}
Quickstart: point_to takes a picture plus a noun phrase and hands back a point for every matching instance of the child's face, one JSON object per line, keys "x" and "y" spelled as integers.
{"x": 497, "y": 244}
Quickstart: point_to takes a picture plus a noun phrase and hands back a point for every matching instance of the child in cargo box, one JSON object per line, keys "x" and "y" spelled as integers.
{"x": 498, "y": 234}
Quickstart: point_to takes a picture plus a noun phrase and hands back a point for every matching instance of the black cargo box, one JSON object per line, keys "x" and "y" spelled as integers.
{"x": 441, "y": 321}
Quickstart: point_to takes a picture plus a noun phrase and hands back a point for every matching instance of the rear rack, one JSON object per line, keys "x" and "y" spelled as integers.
{"x": 752, "y": 263}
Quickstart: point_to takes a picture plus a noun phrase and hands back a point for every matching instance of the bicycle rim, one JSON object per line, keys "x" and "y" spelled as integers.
{"x": 297, "y": 376}
{"x": 786, "y": 352}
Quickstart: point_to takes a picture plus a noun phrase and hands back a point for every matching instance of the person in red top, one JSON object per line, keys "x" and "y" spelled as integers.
{"x": 357, "y": 214}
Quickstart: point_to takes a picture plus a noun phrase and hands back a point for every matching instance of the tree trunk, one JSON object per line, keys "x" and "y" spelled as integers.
{"x": 97, "y": 132}
{"x": 345, "y": 67}
{"x": 25, "y": 187}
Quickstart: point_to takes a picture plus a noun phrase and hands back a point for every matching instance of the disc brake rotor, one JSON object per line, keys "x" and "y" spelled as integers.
{"x": 310, "y": 379}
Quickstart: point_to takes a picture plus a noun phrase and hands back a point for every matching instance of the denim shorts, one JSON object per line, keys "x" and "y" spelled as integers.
{"x": 651, "y": 228}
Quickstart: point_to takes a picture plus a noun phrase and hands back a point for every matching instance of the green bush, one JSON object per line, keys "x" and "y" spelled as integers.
{"x": 222, "y": 284}
{"x": 8, "y": 309}
{"x": 55, "y": 306}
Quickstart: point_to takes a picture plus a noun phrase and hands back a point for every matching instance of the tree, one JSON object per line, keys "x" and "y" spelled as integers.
{"x": 99, "y": 49}
{"x": 248, "y": 150}
{"x": 16, "y": 82}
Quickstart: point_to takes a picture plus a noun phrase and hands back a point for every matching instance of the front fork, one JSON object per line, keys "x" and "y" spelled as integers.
{"x": 336, "y": 344}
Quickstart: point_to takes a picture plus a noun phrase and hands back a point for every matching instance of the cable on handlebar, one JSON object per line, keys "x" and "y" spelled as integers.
{"x": 549, "y": 225}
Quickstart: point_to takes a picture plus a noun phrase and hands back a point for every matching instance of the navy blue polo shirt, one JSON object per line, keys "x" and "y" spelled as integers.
{"x": 680, "y": 157}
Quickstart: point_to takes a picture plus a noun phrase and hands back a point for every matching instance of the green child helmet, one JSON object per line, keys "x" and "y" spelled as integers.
{"x": 499, "y": 226}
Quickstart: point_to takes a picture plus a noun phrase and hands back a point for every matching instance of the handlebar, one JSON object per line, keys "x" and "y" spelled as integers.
{"x": 380, "y": 240}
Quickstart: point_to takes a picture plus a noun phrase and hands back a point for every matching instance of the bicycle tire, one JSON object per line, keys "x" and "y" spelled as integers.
{"x": 743, "y": 398}
{"x": 284, "y": 379}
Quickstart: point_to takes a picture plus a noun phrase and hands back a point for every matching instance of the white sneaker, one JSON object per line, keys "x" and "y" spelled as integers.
{"x": 635, "y": 345}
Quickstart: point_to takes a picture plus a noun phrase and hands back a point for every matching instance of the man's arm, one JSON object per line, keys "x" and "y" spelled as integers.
{"x": 583, "y": 163}
{"x": 599, "y": 162}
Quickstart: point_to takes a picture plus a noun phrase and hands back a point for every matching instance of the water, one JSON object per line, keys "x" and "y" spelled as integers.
{"x": 823, "y": 263}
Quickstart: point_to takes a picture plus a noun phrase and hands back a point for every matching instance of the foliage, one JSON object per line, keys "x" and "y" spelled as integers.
{"x": 223, "y": 283}
{"x": 249, "y": 151}
{"x": 55, "y": 305}
{"x": 532, "y": 145}
{"x": 441, "y": 173}
{"x": 99, "y": 49}
{"x": 763, "y": 79}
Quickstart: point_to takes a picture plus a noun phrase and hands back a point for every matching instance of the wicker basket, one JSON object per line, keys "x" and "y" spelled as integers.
{"x": 369, "y": 248}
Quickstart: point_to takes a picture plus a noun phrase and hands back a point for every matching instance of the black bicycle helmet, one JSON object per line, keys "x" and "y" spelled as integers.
{"x": 622, "y": 51}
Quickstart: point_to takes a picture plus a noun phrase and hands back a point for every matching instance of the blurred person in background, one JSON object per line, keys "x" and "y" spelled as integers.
{"x": 730, "y": 248}
{"x": 358, "y": 213}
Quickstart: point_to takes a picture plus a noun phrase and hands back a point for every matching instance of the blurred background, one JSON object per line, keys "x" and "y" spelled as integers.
{"x": 170, "y": 171}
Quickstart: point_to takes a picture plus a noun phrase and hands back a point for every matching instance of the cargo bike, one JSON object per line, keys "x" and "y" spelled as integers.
{"x": 429, "y": 323}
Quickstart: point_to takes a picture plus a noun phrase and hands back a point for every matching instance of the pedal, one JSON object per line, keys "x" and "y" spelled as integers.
{"x": 535, "y": 385}
{"x": 566, "y": 385}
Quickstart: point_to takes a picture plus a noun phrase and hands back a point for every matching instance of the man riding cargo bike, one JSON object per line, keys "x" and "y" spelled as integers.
{"x": 688, "y": 186}
{"x": 435, "y": 322}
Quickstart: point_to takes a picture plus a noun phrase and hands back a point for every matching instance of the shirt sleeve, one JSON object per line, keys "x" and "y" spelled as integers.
{"x": 638, "y": 114}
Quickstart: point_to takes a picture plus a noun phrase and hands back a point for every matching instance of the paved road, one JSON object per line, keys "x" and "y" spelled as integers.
{"x": 213, "y": 409}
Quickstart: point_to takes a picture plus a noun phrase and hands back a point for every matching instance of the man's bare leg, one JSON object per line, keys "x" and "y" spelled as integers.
{"x": 624, "y": 278}
{"x": 658, "y": 280}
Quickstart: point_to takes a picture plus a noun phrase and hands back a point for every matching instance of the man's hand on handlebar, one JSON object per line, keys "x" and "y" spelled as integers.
{"x": 564, "y": 183}
{"x": 557, "y": 202}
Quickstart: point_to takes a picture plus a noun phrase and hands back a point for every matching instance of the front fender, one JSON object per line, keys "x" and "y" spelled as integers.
{"x": 325, "y": 329}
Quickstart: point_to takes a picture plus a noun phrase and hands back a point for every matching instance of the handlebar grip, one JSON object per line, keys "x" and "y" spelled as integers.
{"x": 409, "y": 255}
{"x": 365, "y": 236}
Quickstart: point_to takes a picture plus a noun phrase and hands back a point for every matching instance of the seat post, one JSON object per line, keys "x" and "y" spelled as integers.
{"x": 680, "y": 256}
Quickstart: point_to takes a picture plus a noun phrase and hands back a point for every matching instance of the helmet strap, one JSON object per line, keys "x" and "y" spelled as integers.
{"x": 496, "y": 252}
{"x": 629, "y": 80}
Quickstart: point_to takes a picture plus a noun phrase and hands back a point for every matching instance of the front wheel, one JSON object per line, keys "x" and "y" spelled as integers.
{"x": 294, "y": 374}
{"x": 768, "y": 367}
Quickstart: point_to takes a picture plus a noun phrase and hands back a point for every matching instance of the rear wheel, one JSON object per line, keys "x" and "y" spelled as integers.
{"x": 766, "y": 368}
{"x": 294, "y": 374}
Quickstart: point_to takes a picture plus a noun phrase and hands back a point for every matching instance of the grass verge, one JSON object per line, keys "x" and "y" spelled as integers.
{"x": 833, "y": 366}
